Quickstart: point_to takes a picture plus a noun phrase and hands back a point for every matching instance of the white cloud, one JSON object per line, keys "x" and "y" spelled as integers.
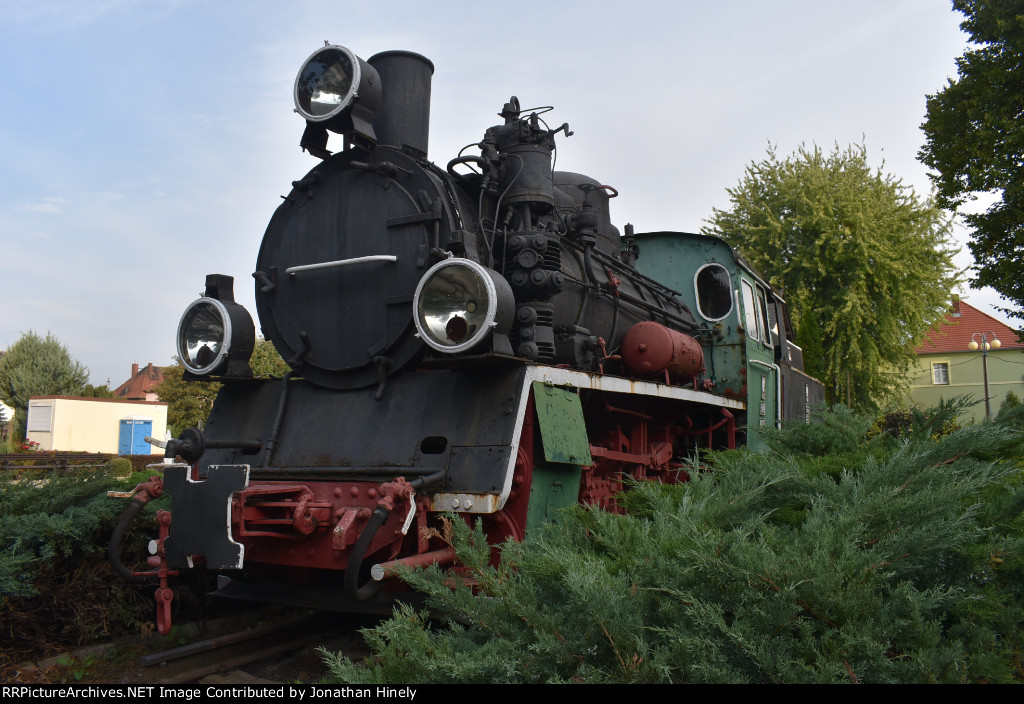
{"x": 50, "y": 206}
{"x": 62, "y": 13}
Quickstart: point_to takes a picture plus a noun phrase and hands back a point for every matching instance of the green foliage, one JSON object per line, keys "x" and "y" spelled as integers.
{"x": 907, "y": 566}
{"x": 265, "y": 360}
{"x": 975, "y": 142}
{"x": 34, "y": 366}
{"x": 939, "y": 420}
{"x": 76, "y": 668}
{"x": 189, "y": 402}
{"x": 52, "y": 516}
{"x": 91, "y": 391}
{"x": 866, "y": 264}
{"x": 1009, "y": 401}
{"x": 836, "y": 430}
{"x": 120, "y": 466}
{"x": 1011, "y": 411}
{"x": 56, "y": 587}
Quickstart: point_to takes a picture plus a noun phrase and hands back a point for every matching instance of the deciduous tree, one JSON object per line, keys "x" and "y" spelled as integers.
{"x": 865, "y": 264}
{"x": 975, "y": 142}
{"x": 189, "y": 402}
{"x": 265, "y": 361}
{"x": 36, "y": 366}
{"x": 91, "y": 391}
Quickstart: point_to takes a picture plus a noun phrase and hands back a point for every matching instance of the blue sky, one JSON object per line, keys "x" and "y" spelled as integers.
{"x": 144, "y": 144}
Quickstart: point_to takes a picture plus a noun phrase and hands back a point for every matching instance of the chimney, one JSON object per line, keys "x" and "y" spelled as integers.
{"x": 135, "y": 370}
{"x": 149, "y": 369}
{"x": 956, "y": 305}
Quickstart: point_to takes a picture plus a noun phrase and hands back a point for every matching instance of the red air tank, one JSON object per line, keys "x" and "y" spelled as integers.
{"x": 650, "y": 349}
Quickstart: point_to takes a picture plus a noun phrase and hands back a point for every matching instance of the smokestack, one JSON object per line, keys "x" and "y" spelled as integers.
{"x": 403, "y": 118}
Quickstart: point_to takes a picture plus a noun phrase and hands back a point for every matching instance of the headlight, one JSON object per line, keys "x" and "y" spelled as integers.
{"x": 215, "y": 334}
{"x": 338, "y": 90}
{"x": 459, "y": 303}
{"x": 204, "y": 335}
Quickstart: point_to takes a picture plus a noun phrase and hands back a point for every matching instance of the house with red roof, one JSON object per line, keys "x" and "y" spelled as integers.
{"x": 140, "y": 384}
{"x": 947, "y": 365}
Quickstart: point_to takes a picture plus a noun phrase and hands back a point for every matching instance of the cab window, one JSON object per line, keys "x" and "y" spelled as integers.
{"x": 714, "y": 291}
{"x": 762, "y": 314}
{"x": 750, "y": 316}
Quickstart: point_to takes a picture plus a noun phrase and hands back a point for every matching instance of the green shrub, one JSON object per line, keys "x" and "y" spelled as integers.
{"x": 835, "y": 430}
{"x": 905, "y": 566}
{"x": 54, "y": 530}
{"x": 45, "y": 516}
{"x": 120, "y": 467}
{"x": 1011, "y": 411}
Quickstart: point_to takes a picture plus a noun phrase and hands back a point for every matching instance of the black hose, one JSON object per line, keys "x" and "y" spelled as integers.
{"x": 465, "y": 160}
{"x": 351, "y": 585}
{"x": 114, "y": 548}
{"x": 428, "y": 481}
{"x": 355, "y": 563}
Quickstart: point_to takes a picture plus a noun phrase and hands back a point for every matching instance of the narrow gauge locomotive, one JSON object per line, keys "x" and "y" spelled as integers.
{"x": 476, "y": 339}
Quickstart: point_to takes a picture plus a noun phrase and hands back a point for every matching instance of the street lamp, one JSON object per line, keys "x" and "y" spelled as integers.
{"x": 988, "y": 339}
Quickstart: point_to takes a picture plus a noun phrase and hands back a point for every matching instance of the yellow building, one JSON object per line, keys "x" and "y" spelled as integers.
{"x": 112, "y": 426}
{"x": 948, "y": 367}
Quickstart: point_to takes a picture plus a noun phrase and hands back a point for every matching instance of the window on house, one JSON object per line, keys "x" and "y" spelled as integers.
{"x": 940, "y": 373}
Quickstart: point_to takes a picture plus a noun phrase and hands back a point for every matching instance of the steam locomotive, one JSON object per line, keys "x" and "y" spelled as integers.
{"x": 477, "y": 339}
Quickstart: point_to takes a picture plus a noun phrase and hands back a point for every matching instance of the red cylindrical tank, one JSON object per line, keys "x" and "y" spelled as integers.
{"x": 650, "y": 348}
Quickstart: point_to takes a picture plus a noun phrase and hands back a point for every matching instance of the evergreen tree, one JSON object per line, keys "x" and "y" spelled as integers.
{"x": 1011, "y": 410}
{"x": 975, "y": 142}
{"x": 865, "y": 263}
{"x": 1009, "y": 401}
{"x": 36, "y": 366}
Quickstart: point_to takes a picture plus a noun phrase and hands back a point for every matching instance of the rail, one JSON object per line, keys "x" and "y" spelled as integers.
{"x": 53, "y": 460}
{"x": 189, "y": 663}
{"x": 70, "y": 460}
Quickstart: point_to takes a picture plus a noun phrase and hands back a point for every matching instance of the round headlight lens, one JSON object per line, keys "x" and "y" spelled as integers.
{"x": 327, "y": 83}
{"x": 458, "y": 303}
{"x": 204, "y": 336}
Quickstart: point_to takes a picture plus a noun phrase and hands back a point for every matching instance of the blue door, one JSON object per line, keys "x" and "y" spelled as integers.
{"x": 132, "y": 437}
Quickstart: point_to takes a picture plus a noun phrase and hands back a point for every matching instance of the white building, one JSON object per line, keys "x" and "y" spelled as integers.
{"x": 77, "y": 424}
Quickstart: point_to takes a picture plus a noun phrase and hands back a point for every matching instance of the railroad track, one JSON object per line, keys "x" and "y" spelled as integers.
{"x": 53, "y": 460}
{"x": 191, "y": 663}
